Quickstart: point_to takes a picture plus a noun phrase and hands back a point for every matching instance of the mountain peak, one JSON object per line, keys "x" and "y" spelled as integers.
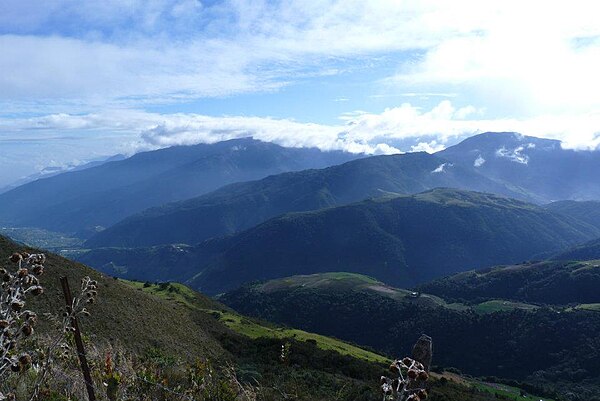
{"x": 508, "y": 139}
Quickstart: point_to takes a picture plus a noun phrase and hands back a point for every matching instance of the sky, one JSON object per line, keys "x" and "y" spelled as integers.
{"x": 85, "y": 80}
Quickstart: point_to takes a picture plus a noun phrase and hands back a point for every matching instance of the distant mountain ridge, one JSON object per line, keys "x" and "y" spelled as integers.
{"x": 52, "y": 171}
{"x": 538, "y": 167}
{"x": 102, "y": 195}
{"x": 588, "y": 211}
{"x": 586, "y": 251}
{"x": 521, "y": 167}
{"x": 243, "y": 205}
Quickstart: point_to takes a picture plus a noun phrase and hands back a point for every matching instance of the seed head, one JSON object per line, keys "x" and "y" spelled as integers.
{"x": 38, "y": 270}
{"x": 27, "y": 330}
{"x": 37, "y": 290}
{"x": 17, "y": 305}
{"x": 25, "y": 360}
{"x": 16, "y": 257}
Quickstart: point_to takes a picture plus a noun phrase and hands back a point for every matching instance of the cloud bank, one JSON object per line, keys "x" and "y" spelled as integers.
{"x": 84, "y": 79}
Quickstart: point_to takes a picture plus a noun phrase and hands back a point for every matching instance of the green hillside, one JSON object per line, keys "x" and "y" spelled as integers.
{"x": 488, "y": 338}
{"x": 548, "y": 282}
{"x": 587, "y": 251}
{"x": 133, "y": 318}
{"x": 588, "y": 211}
{"x": 403, "y": 240}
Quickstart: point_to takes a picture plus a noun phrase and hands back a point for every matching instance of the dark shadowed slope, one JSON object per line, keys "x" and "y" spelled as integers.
{"x": 588, "y": 211}
{"x": 538, "y": 167}
{"x": 402, "y": 241}
{"x": 243, "y": 205}
{"x": 539, "y": 346}
{"x": 103, "y": 195}
{"x": 547, "y": 282}
{"x": 587, "y": 251}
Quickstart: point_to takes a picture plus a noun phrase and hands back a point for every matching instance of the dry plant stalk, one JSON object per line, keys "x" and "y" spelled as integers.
{"x": 18, "y": 282}
{"x": 16, "y": 322}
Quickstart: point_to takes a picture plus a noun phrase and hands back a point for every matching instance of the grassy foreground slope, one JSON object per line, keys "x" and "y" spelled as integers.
{"x": 444, "y": 386}
{"x": 133, "y": 318}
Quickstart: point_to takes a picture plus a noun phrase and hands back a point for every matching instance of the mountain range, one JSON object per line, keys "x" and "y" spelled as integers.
{"x": 243, "y": 205}
{"x": 542, "y": 168}
{"x": 513, "y": 165}
{"x": 78, "y": 201}
{"x": 402, "y": 240}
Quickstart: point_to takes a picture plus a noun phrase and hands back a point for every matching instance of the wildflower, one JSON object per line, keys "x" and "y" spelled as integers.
{"x": 16, "y": 257}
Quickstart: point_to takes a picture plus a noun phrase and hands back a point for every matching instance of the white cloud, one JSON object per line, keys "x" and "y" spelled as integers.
{"x": 167, "y": 50}
{"x": 66, "y": 137}
{"x": 522, "y": 61}
{"x": 429, "y": 147}
{"x": 516, "y": 155}
{"x": 479, "y": 161}
{"x": 441, "y": 168}
{"x": 359, "y": 131}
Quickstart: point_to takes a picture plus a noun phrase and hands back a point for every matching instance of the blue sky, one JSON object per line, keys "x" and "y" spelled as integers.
{"x": 81, "y": 80}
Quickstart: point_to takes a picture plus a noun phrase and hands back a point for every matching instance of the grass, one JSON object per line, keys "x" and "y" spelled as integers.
{"x": 589, "y": 307}
{"x": 512, "y": 393}
{"x": 499, "y": 305}
{"x": 136, "y": 320}
{"x": 40, "y": 238}
{"x": 250, "y": 327}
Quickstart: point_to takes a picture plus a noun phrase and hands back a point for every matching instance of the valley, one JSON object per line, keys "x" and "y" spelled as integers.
{"x": 385, "y": 247}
